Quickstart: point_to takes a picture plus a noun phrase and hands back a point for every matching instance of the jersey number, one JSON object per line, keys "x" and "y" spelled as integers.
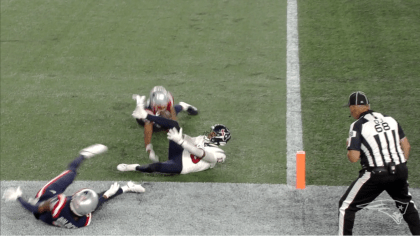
{"x": 381, "y": 126}
{"x": 195, "y": 159}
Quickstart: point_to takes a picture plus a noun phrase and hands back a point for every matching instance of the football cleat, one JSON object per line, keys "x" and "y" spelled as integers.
{"x": 192, "y": 110}
{"x": 135, "y": 188}
{"x": 93, "y": 150}
{"x": 127, "y": 167}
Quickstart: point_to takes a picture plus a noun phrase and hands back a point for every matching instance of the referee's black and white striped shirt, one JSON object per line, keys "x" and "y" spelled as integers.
{"x": 377, "y": 137}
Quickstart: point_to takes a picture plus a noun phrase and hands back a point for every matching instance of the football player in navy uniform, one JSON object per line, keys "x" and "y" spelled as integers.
{"x": 54, "y": 208}
{"x": 186, "y": 154}
{"x": 160, "y": 103}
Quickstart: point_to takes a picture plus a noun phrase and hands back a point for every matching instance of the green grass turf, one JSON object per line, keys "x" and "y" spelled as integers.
{"x": 69, "y": 68}
{"x": 345, "y": 46}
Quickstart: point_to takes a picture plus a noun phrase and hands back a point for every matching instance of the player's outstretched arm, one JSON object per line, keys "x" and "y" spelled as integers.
{"x": 148, "y": 131}
{"x": 112, "y": 192}
{"x": 208, "y": 154}
{"x": 37, "y": 208}
{"x": 178, "y": 138}
{"x": 116, "y": 190}
{"x": 13, "y": 194}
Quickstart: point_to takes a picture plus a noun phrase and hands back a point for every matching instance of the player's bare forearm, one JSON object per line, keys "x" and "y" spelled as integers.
{"x": 148, "y": 131}
{"x": 45, "y": 206}
{"x": 173, "y": 113}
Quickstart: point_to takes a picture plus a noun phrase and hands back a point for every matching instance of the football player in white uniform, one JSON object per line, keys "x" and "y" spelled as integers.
{"x": 160, "y": 103}
{"x": 186, "y": 154}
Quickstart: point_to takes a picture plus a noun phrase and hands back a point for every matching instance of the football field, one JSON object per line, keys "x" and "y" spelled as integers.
{"x": 69, "y": 68}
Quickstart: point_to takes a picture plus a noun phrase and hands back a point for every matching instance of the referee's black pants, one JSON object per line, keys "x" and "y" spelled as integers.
{"x": 367, "y": 187}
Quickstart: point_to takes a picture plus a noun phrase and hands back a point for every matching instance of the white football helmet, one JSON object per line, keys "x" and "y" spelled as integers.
{"x": 159, "y": 101}
{"x": 84, "y": 202}
{"x": 157, "y": 89}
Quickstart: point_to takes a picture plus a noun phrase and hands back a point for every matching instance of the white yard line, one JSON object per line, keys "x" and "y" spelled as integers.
{"x": 293, "y": 114}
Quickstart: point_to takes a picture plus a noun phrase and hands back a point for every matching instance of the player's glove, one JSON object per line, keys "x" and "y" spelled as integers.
{"x": 135, "y": 98}
{"x": 152, "y": 155}
{"x": 112, "y": 190}
{"x": 139, "y": 112}
{"x": 11, "y": 194}
{"x": 176, "y": 136}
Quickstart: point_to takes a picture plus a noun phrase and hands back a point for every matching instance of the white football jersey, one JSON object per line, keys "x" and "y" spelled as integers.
{"x": 191, "y": 163}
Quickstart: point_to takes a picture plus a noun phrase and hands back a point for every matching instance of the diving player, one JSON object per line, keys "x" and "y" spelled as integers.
{"x": 54, "y": 208}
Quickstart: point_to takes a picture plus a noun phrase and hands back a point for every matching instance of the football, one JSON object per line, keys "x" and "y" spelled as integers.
{"x": 165, "y": 114}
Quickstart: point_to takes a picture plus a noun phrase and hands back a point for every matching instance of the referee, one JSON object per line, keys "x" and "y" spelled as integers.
{"x": 380, "y": 144}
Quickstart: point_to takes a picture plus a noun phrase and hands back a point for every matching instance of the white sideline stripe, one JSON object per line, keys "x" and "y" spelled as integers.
{"x": 293, "y": 114}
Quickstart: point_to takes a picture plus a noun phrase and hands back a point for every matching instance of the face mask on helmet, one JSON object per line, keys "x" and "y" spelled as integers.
{"x": 159, "y": 101}
{"x": 219, "y": 135}
{"x": 84, "y": 202}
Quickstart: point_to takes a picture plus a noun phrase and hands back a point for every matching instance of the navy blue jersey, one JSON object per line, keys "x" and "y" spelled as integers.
{"x": 61, "y": 215}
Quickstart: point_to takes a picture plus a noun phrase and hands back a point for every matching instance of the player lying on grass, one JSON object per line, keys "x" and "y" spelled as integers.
{"x": 53, "y": 207}
{"x": 186, "y": 154}
{"x": 160, "y": 103}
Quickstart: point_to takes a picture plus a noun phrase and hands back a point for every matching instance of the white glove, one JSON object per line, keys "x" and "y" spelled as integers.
{"x": 152, "y": 156}
{"x": 11, "y": 194}
{"x": 175, "y": 136}
{"x": 139, "y": 112}
{"x": 136, "y": 98}
{"x": 112, "y": 190}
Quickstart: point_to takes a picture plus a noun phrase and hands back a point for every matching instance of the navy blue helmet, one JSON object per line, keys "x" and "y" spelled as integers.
{"x": 219, "y": 134}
